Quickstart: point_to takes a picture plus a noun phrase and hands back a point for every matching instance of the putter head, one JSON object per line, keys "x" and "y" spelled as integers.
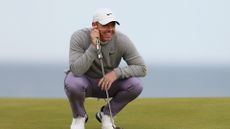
{"x": 118, "y": 128}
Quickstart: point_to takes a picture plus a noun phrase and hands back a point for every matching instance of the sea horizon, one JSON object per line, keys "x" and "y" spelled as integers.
{"x": 45, "y": 80}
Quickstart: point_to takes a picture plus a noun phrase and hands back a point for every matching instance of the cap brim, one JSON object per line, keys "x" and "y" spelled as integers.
{"x": 108, "y": 20}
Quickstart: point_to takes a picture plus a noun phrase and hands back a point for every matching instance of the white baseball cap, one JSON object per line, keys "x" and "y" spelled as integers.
{"x": 104, "y": 16}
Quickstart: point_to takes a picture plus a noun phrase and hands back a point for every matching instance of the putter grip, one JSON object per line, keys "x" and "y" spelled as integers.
{"x": 98, "y": 46}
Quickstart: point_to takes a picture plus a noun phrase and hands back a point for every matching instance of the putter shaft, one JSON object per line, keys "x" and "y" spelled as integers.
{"x": 100, "y": 57}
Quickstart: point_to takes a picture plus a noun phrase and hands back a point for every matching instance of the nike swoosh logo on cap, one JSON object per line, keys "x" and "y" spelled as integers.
{"x": 109, "y": 14}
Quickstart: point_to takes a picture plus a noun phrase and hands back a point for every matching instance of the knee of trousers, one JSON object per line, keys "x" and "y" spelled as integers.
{"x": 135, "y": 87}
{"x": 74, "y": 86}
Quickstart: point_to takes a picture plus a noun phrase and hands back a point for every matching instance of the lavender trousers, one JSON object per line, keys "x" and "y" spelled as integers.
{"x": 121, "y": 92}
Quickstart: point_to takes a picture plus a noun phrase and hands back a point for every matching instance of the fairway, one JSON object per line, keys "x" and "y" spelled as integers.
{"x": 143, "y": 113}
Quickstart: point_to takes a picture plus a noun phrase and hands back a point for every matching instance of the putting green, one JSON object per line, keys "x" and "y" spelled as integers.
{"x": 143, "y": 113}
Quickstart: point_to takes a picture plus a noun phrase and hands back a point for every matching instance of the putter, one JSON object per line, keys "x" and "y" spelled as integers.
{"x": 100, "y": 57}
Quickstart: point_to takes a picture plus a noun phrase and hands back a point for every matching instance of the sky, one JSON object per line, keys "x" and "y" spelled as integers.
{"x": 163, "y": 31}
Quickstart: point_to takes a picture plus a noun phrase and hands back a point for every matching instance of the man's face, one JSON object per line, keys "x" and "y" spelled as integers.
{"x": 106, "y": 31}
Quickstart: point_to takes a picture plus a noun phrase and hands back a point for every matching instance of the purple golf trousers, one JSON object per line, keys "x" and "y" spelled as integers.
{"x": 122, "y": 92}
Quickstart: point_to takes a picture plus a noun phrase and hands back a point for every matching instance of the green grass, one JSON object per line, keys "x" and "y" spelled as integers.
{"x": 151, "y": 113}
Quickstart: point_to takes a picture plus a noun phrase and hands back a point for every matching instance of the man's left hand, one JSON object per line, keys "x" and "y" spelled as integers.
{"x": 107, "y": 81}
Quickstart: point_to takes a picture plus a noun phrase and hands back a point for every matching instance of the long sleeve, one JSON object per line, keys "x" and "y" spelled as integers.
{"x": 81, "y": 54}
{"x": 135, "y": 63}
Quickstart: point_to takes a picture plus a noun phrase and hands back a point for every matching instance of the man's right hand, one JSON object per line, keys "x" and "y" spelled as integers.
{"x": 94, "y": 34}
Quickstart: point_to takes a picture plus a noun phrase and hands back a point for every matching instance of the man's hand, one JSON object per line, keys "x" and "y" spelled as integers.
{"x": 94, "y": 34}
{"x": 107, "y": 81}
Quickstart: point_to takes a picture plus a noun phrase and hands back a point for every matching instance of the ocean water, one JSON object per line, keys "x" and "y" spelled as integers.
{"x": 46, "y": 80}
{"x": 187, "y": 81}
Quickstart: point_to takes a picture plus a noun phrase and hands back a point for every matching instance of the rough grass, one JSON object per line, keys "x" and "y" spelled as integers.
{"x": 144, "y": 113}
